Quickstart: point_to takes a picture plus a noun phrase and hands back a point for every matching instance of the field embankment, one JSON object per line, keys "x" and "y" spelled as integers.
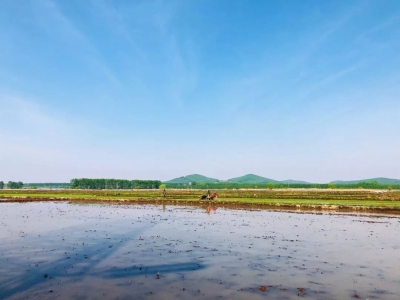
{"x": 351, "y": 199}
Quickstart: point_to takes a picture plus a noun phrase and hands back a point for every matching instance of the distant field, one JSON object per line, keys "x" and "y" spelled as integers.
{"x": 290, "y": 198}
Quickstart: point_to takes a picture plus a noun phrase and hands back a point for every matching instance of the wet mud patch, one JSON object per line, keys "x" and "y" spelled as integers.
{"x": 81, "y": 251}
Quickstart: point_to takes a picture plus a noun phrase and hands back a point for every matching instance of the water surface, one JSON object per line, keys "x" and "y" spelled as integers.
{"x": 103, "y": 251}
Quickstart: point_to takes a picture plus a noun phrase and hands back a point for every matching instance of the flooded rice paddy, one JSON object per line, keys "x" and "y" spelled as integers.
{"x": 104, "y": 251}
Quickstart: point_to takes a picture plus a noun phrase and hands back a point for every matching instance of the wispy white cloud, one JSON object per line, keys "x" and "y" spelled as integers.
{"x": 337, "y": 75}
{"x": 117, "y": 21}
{"x": 174, "y": 55}
{"x": 319, "y": 37}
{"x": 63, "y": 30}
{"x": 306, "y": 91}
{"x": 365, "y": 36}
{"x": 27, "y": 116}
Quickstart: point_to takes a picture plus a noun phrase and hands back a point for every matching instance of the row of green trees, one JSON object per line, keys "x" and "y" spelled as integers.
{"x": 100, "y": 184}
{"x": 86, "y": 183}
{"x": 227, "y": 185}
{"x": 12, "y": 185}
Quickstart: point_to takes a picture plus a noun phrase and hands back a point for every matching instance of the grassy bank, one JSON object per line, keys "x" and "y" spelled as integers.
{"x": 358, "y": 199}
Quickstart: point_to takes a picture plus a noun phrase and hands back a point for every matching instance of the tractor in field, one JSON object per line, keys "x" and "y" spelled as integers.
{"x": 208, "y": 196}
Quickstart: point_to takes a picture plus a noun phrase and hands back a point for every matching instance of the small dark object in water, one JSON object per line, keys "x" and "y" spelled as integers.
{"x": 45, "y": 275}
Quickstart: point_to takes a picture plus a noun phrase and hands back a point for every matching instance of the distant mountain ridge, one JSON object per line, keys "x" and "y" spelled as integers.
{"x": 252, "y": 179}
{"x": 246, "y": 179}
{"x": 380, "y": 180}
{"x": 291, "y": 181}
{"x": 256, "y": 179}
{"x": 192, "y": 178}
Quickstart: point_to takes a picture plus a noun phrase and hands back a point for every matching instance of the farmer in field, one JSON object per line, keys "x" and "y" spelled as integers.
{"x": 208, "y": 196}
{"x": 164, "y": 193}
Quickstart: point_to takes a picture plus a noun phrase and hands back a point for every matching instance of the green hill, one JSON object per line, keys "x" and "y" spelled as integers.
{"x": 380, "y": 180}
{"x": 255, "y": 179}
{"x": 192, "y": 178}
{"x": 291, "y": 181}
{"x": 252, "y": 179}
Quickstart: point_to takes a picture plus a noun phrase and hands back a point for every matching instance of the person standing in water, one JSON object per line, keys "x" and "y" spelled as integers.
{"x": 164, "y": 193}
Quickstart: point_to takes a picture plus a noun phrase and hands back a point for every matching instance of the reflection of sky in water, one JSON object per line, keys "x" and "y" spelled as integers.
{"x": 99, "y": 251}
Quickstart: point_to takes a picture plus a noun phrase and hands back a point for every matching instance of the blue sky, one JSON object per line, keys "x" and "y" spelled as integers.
{"x": 307, "y": 90}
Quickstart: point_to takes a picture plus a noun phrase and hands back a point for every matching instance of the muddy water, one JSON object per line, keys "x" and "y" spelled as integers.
{"x": 97, "y": 251}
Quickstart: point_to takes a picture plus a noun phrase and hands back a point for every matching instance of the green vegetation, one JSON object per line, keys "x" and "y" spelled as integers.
{"x": 270, "y": 186}
{"x": 101, "y": 184}
{"x": 334, "y": 199}
{"x": 1, "y": 185}
{"x": 15, "y": 185}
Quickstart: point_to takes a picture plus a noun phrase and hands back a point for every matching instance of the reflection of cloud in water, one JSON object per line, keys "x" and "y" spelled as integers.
{"x": 78, "y": 263}
{"x": 150, "y": 270}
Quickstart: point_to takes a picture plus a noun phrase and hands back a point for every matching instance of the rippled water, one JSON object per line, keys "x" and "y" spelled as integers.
{"x": 97, "y": 251}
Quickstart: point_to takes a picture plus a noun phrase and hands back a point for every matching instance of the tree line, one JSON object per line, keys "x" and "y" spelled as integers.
{"x": 11, "y": 185}
{"x": 87, "y": 183}
{"x": 101, "y": 184}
